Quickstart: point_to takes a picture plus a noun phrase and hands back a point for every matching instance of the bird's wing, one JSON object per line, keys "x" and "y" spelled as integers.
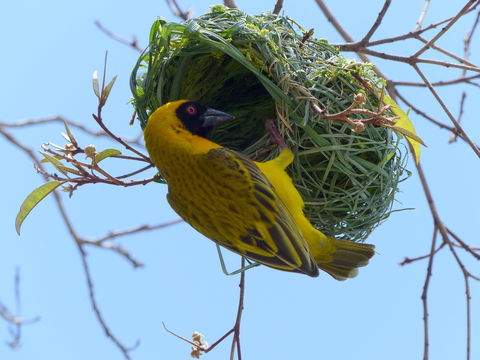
{"x": 250, "y": 218}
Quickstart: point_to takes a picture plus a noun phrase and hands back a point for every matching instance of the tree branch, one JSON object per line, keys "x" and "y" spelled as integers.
{"x": 447, "y": 111}
{"x": 132, "y": 43}
{"x": 377, "y": 22}
{"x": 177, "y": 11}
{"x": 230, "y": 3}
{"x": 278, "y": 7}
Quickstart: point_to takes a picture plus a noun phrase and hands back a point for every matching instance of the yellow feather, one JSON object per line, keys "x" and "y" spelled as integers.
{"x": 251, "y": 208}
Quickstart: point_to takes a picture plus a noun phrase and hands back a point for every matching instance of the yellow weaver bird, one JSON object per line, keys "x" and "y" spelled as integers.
{"x": 251, "y": 208}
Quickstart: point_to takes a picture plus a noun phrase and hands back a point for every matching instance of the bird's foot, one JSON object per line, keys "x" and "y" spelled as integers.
{"x": 275, "y": 136}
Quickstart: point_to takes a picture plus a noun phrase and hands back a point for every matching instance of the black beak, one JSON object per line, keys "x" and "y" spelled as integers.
{"x": 211, "y": 118}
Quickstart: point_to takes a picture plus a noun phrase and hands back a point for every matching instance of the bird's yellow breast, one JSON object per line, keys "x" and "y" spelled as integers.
{"x": 197, "y": 191}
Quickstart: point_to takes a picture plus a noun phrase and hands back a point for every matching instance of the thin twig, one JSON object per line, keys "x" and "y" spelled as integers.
{"x": 448, "y": 53}
{"x": 466, "y": 276}
{"x": 182, "y": 337}
{"x": 132, "y": 43}
{"x": 93, "y": 301}
{"x": 50, "y": 119}
{"x": 235, "y": 330}
{"x": 333, "y": 20}
{"x": 120, "y": 233}
{"x": 439, "y": 226}
{"x": 463, "y": 245}
{"x": 99, "y": 120}
{"x": 66, "y": 220}
{"x": 134, "y": 172}
{"x": 447, "y": 111}
{"x": 353, "y": 46}
{"x": 458, "y": 80}
{"x": 454, "y": 134}
{"x": 412, "y": 60}
{"x": 70, "y": 123}
{"x": 409, "y": 35}
{"x": 377, "y": 22}
{"x": 177, "y": 11}
{"x": 419, "y": 23}
{"x": 426, "y": 285}
{"x": 326, "y": 11}
{"x": 445, "y": 28}
{"x": 468, "y": 39}
{"x": 16, "y": 322}
{"x": 236, "y": 327}
{"x": 408, "y": 260}
{"x": 426, "y": 116}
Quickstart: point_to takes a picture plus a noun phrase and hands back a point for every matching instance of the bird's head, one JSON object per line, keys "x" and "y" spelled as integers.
{"x": 191, "y": 116}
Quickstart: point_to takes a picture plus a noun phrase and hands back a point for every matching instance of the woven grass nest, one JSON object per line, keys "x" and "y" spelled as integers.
{"x": 265, "y": 66}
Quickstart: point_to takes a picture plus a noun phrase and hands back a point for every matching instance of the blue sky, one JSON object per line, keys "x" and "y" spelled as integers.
{"x": 50, "y": 52}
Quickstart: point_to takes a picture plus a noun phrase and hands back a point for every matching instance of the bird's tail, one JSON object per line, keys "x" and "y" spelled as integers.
{"x": 346, "y": 257}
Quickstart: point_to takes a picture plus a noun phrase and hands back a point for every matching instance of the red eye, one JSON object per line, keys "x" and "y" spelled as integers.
{"x": 191, "y": 110}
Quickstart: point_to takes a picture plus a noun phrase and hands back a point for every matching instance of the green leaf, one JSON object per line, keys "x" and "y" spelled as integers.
{"x": 407, "y": 134}
{"x": 32, "y": 200}
{"x": 58, "y": 165}
{"x": 96, "y": 87}
{"x": 71, "y": 170}
{"x": 405, "y": 127}
{"x": 48, "y": 160}
{"x": 108, "y": 88}
{"x": 106, "y": 153}
{"x": 70, "y": 134}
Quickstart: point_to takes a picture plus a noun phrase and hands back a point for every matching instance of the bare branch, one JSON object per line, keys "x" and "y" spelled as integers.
{"x": 468, "y": 39}
{"x": 447, "y": 111}
{"x": 278, "y": 7}
{"x": 448, "y": 53}
{"x": 230, "y": 3}
{"x": 377, "y": 22}
{"x": 408, "y": 260}
{"x": 411, "y": 60}
{"x": 458, "y": 80}
{"x": 16, "y": 322}
{"x": 463, "y": 11}
{"x": 177, "y": 11}
{"x": 199, "y": 347}
{"x": 120, "y": 233}
{"x": 61, "y": 119}
{"x": 236, "y": 327}
{"x": 75, "y": 237}
{"x": 424, "y": 114}
{"x": 463, "y": 245}
{"x": 102, "y": 242}
{"x": 349, "y": 39}
{"x": 333, "y": 20}
{"x": 91, "y": 291}
{"x": 410, "y": 35}
{"x": 132, "y": 43}
{"x": 454, "y": 134}
{"x": 99, "y": 120}
{"x": 419, "y": 23}
{"x": 425, "y": 294}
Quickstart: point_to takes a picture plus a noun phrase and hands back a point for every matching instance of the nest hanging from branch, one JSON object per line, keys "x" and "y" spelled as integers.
{"x": 347, "y": 165}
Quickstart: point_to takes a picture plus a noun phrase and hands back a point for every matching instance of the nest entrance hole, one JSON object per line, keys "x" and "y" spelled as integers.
{"x": 218, "y": 81}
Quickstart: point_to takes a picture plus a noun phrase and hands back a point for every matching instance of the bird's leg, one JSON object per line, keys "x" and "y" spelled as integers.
{"x": 242, "y": 269}
{"x": 275, "y": 136}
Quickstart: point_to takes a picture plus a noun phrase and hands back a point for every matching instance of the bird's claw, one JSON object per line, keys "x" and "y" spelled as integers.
{"x": 275, "y": 136}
